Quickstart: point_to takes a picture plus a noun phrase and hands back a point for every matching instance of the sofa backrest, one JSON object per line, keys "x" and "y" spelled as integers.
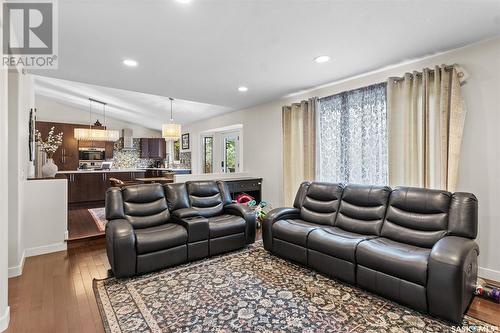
{"x": 362, "y": 208}
{"x": 143, "y": 206}
{"x": 320, "y": 202}
{"x": 208, "y": 197}
{"x": 417, "y": 216}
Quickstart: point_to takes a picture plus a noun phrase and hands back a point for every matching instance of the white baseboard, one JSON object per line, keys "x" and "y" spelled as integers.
{"x": 4, "y": 320}
{"x": 489, "y": 274}
{"x": 17, "y": 270}
{"x": 36, "y": 251}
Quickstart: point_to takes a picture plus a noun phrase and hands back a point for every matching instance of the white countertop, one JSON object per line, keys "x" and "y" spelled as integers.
{"x": 101, "y": 171}
{"x": 168, "y": 169}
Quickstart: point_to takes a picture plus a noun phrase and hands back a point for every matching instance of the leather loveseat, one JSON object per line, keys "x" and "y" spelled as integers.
{"x": 153, "y": 226}
{"x": 412, "y": 245}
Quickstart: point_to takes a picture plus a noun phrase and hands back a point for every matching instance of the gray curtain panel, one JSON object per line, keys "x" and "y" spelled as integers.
{"x": 299, "y": 146}
{"x": 352, "y": 136}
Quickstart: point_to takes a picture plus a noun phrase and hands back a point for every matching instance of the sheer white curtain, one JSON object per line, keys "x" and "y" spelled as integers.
{"x": 352, "y": 136}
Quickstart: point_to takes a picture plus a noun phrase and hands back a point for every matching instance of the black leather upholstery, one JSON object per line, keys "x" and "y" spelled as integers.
{"x": 145, "y": 205}
{"x": 320, "y": 203}
{"x": 225, "y": 225}
{"x": 412, "y": 245}
{"x": 362, "y": 208}
{"x": 160, "y": 237}
{"x": 417, "y": 216}
{"x": 463, "y": 215}
{"x": 452, "y": 277}
{"x": 142, "y": 235}
{"x": 293, "y": 231}
{"x": 336, "y": 242}
{"x": 401, "y": 260}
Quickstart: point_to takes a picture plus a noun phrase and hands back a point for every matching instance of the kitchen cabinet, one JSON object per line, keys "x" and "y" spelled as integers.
{"x": 67, "y": 156}
{"x": 92, "y": 186}
{"x": 155, "y": 148}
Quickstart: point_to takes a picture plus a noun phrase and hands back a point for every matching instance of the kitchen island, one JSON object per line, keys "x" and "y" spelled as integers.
{"x": 91, "y": 185}
{"x": 87, "y": 185}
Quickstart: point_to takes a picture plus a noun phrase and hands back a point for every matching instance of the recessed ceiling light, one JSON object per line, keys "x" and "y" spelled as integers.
{"x": 242, "y": 89}
{"x": 183, "y": 1}
{"x": 130, "y": 63}
{"x": 321, "y": 59}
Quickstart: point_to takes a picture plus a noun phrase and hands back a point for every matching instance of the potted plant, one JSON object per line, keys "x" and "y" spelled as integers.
{"x": 49, "y": 146}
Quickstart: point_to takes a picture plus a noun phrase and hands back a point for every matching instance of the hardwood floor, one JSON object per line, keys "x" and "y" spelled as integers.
{"x": 81, "y": 224}
{"x": 55, "y": 293}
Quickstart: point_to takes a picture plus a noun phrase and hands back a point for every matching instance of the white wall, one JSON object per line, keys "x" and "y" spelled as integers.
{"x": 45, "y": 216}
{"x": 479, "y": 172}
{"x": 4, "y": 192}
{"x": 21, "y": 100}
{"x": 50, "y": 110}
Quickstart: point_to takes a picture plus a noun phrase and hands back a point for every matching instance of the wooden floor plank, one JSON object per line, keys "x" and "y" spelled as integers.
{"x": 55, "y": 292}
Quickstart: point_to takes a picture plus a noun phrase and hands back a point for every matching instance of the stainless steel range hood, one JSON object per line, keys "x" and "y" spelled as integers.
{"x": 128, "y": 142}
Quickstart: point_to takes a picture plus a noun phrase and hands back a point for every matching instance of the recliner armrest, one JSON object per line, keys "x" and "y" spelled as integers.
{"x": 120, "y": 247}
{"x": 196, "y": 226}
{"x": 452, "y": 274}
{"x": 248, "y": 214}
{"x": 185, "y": 213}
{"x": 273, "y": 216}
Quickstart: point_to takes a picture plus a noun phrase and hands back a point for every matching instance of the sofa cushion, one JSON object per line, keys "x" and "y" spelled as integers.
{"x": 224, "y": 225}
{"x": 145, "y": 205}
{"x": 205, "y": 197}
{"x": 160, "y": 237}
{"x": 401, "y": 260}
{"x": 293, "y": 231}
{"x": 336, "y": 242}
{"x": 321, "y": 203}
{"x": 362, "y": 208}
{"x": 417, "y": 216}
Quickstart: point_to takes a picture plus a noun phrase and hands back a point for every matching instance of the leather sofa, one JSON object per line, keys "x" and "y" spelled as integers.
{"x": 412, "y": 245}
{"x": 154, "y": 226}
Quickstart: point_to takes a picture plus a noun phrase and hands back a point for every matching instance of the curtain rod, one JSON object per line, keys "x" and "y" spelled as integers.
{"x": 97, "y": 101}
{"x": 446, "y": 68}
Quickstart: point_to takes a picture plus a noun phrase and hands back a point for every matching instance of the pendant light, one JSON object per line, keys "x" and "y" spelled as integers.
{"x": 171, "y": 130}
{"x": 93, "y": 134}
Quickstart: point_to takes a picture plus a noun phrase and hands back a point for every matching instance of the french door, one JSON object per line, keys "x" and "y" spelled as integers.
{"x": 230, "y": 152}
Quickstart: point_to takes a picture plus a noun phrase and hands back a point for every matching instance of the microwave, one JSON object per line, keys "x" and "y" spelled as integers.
{"x": 92, "y": 154}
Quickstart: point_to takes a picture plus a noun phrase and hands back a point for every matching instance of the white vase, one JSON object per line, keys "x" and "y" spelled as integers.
{"x": 49, "y": 169}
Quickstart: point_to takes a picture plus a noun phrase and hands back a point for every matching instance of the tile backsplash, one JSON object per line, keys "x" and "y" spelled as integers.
{"x": 132, "y": 158}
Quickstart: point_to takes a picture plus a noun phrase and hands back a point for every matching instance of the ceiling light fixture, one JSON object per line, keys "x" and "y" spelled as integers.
{"x": 171, "y": 131}
{"x": 130, "y": 63}
{"x": 242, "y": 89}
{"x": 321, "y": 59}
{"x": 184, "y": 1}
{"x": 93, "y": 134}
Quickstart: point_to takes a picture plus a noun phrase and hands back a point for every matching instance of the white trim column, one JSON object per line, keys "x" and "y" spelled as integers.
{"x": 4, "y": 285}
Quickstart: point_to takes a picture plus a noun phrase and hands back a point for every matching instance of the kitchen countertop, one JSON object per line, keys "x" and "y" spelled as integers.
{"x": 121, "y": 170}
{"x": 168, "y": 169}
{"x": 101, "y": 171}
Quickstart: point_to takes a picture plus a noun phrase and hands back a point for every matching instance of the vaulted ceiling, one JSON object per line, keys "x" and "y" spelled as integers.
{"x": 203, "y": 50}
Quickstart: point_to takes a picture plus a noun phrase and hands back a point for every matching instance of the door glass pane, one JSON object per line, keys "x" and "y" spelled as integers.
{"x": 230, "y": 154}
{"x": 208, "y": 154}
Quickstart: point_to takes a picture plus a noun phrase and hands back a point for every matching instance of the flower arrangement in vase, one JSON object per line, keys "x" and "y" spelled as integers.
{"x": 49, "y": 146}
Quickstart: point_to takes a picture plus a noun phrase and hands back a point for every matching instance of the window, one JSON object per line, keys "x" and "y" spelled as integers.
{"x": 230, "y": 152}
{"x": 220, "y": 150}
{"x": 352, "y": 136}
{"x": 208, "y": 147}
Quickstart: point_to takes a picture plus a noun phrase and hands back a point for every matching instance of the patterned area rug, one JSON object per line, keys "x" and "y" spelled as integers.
{"x": 99, "y": 216}
{"x": 252, "y": 291}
